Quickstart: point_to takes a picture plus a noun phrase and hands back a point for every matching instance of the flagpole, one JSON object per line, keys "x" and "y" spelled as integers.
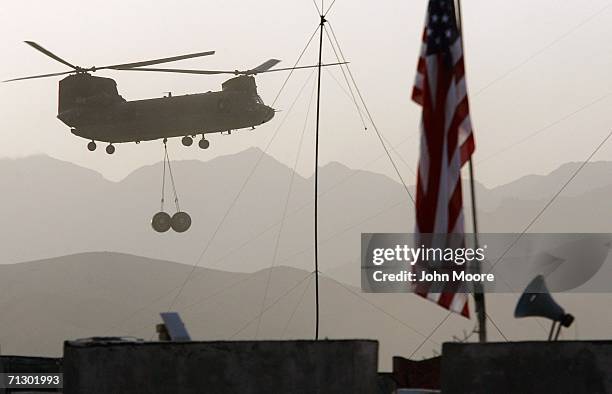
{"x": 479, "y": 297}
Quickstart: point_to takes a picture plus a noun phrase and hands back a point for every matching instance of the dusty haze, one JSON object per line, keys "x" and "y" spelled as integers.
{"x": 538, "y": 73}
{"x": 549, "y": 52}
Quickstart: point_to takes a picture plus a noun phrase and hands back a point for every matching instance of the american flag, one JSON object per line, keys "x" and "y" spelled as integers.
{"x": 447, "y": 142}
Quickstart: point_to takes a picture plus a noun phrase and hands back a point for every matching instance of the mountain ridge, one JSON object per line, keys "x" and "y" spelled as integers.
{"x": 65, "y": 209}
{"x": 111, "y": 294}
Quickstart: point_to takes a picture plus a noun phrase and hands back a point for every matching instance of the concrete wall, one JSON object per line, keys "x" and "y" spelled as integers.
{"x": 527, "y": 367}
{"x": 245, "y": 367}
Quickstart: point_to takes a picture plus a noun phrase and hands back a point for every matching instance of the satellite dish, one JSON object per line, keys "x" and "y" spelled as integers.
{"x": 161, "y": 222}
{"x": 536, "y": 301}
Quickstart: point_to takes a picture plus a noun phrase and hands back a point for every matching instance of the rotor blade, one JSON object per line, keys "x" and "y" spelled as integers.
{"x": 177, "y": 70}
{"x": 156, "y": 61}
{"x": 39, "y": 76}
{"x": 50, "y": 54}
{"x": 295, "y": 68}
{"x": 264, "y": 66}
{"x": 213, "y": 72}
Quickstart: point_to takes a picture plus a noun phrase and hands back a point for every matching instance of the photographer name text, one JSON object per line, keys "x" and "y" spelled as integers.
{"x": 434, "y": 276}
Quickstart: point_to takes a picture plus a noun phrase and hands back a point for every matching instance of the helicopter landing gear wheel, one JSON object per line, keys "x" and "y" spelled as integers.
{"x": 187, "y": 140}
{"x": 91, "y": 146}
{"x": 110, "y": 149}
{"x": 203, "y": 143}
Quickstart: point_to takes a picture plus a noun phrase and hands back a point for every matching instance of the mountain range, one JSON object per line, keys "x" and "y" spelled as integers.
{"x": 54, "y": 208}
{"x": 88, "y": 263}
{"x": 48, "y": 301}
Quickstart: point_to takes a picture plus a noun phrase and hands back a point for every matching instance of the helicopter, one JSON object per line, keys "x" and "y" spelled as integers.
{"x": 93, "y": 109}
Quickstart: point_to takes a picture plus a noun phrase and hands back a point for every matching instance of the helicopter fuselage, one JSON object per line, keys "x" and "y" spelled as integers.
{"x": 93, "y": 109}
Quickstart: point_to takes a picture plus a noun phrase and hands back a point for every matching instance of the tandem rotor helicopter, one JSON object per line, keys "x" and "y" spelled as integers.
{"x": 94, "y": 110}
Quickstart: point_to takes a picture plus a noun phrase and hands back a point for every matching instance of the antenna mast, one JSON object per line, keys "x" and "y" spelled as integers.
{"x": 316, "y": 177}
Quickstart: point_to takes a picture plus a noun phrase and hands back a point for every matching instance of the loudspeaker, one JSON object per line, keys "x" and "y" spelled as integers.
{"x": 536, "y": 301}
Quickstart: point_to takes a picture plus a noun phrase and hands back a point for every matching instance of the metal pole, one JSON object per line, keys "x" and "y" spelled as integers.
{"x": 479, "y": 297}
{"x": 316, "y": 183}
{"x": 552, "y": 330}
{"x": 559, "y": 325}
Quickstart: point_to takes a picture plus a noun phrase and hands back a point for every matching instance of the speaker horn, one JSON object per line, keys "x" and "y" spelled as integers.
{"x": 536, "y": 301}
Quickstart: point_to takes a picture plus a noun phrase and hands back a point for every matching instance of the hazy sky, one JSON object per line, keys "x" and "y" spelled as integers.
{"x": 551, "y": 55}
